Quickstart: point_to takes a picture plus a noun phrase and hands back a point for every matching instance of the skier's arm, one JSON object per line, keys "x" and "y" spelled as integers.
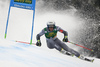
{"x": 65, "y": 39}
{"x": 38, "y": 37}
{"x": 62, "y": 31}
{"x": 40, "y": 34}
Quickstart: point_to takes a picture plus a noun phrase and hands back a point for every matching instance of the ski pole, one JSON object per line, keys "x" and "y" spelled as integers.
{"x": 26, "y": 42}
{"x": 81, "y": 46}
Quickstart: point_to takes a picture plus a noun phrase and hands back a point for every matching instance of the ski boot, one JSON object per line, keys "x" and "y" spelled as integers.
{"x": 81, "y": 57}
{"x": 66, "y": 52}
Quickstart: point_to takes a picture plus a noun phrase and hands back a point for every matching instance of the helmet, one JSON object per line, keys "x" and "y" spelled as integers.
{"x": 51, "y": 24}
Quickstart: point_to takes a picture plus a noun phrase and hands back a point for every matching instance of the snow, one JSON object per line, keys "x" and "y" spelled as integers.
{"x": 13, "y": 54}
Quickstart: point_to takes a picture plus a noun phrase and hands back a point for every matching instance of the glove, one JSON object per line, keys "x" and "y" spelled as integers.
{"x": 38, "y": 43}
{"x": 65, "y": 39}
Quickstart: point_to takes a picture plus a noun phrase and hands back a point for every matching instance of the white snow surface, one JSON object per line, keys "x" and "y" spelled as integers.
{"x": 14, "y": 54}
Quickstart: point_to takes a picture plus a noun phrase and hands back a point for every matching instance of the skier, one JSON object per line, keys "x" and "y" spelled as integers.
{"x": 53, "y": 42}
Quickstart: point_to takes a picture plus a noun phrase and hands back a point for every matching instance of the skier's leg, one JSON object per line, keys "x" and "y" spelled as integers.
{"x": 65, "y": 47}
{"x": 51, "y": 44}
{"x": 74, "y": 52}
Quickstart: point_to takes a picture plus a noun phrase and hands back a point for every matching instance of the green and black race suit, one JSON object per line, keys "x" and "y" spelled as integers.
{"x": 51, "y": 34}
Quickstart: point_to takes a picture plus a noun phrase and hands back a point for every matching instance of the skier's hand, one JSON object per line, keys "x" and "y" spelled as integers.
{"x": 65, "y": 39}
{"x": 38, "y": 43}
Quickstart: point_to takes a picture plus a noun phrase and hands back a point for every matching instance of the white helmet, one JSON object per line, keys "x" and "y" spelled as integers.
{"x": 51, "y": 24}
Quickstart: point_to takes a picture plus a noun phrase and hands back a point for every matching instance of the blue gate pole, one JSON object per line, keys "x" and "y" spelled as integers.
{"x": 32, "y": 27}
{"x": 7, "y": 23}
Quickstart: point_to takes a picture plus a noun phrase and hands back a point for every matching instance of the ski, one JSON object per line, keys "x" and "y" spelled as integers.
{"x": 86, "y": 59}
{"x": 81, "y": 57}
{"x": 90, "y": 60}
{"x": 69, "y": 54}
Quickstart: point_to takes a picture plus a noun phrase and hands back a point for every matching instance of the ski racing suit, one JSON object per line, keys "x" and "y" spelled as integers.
{"x": 54, "y": 42}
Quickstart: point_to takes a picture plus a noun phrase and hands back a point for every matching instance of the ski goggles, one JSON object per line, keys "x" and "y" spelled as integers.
{"x": 51, "y": 26}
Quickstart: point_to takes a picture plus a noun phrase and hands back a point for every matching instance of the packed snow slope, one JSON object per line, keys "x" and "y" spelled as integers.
{"x": 13, "y": 54}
